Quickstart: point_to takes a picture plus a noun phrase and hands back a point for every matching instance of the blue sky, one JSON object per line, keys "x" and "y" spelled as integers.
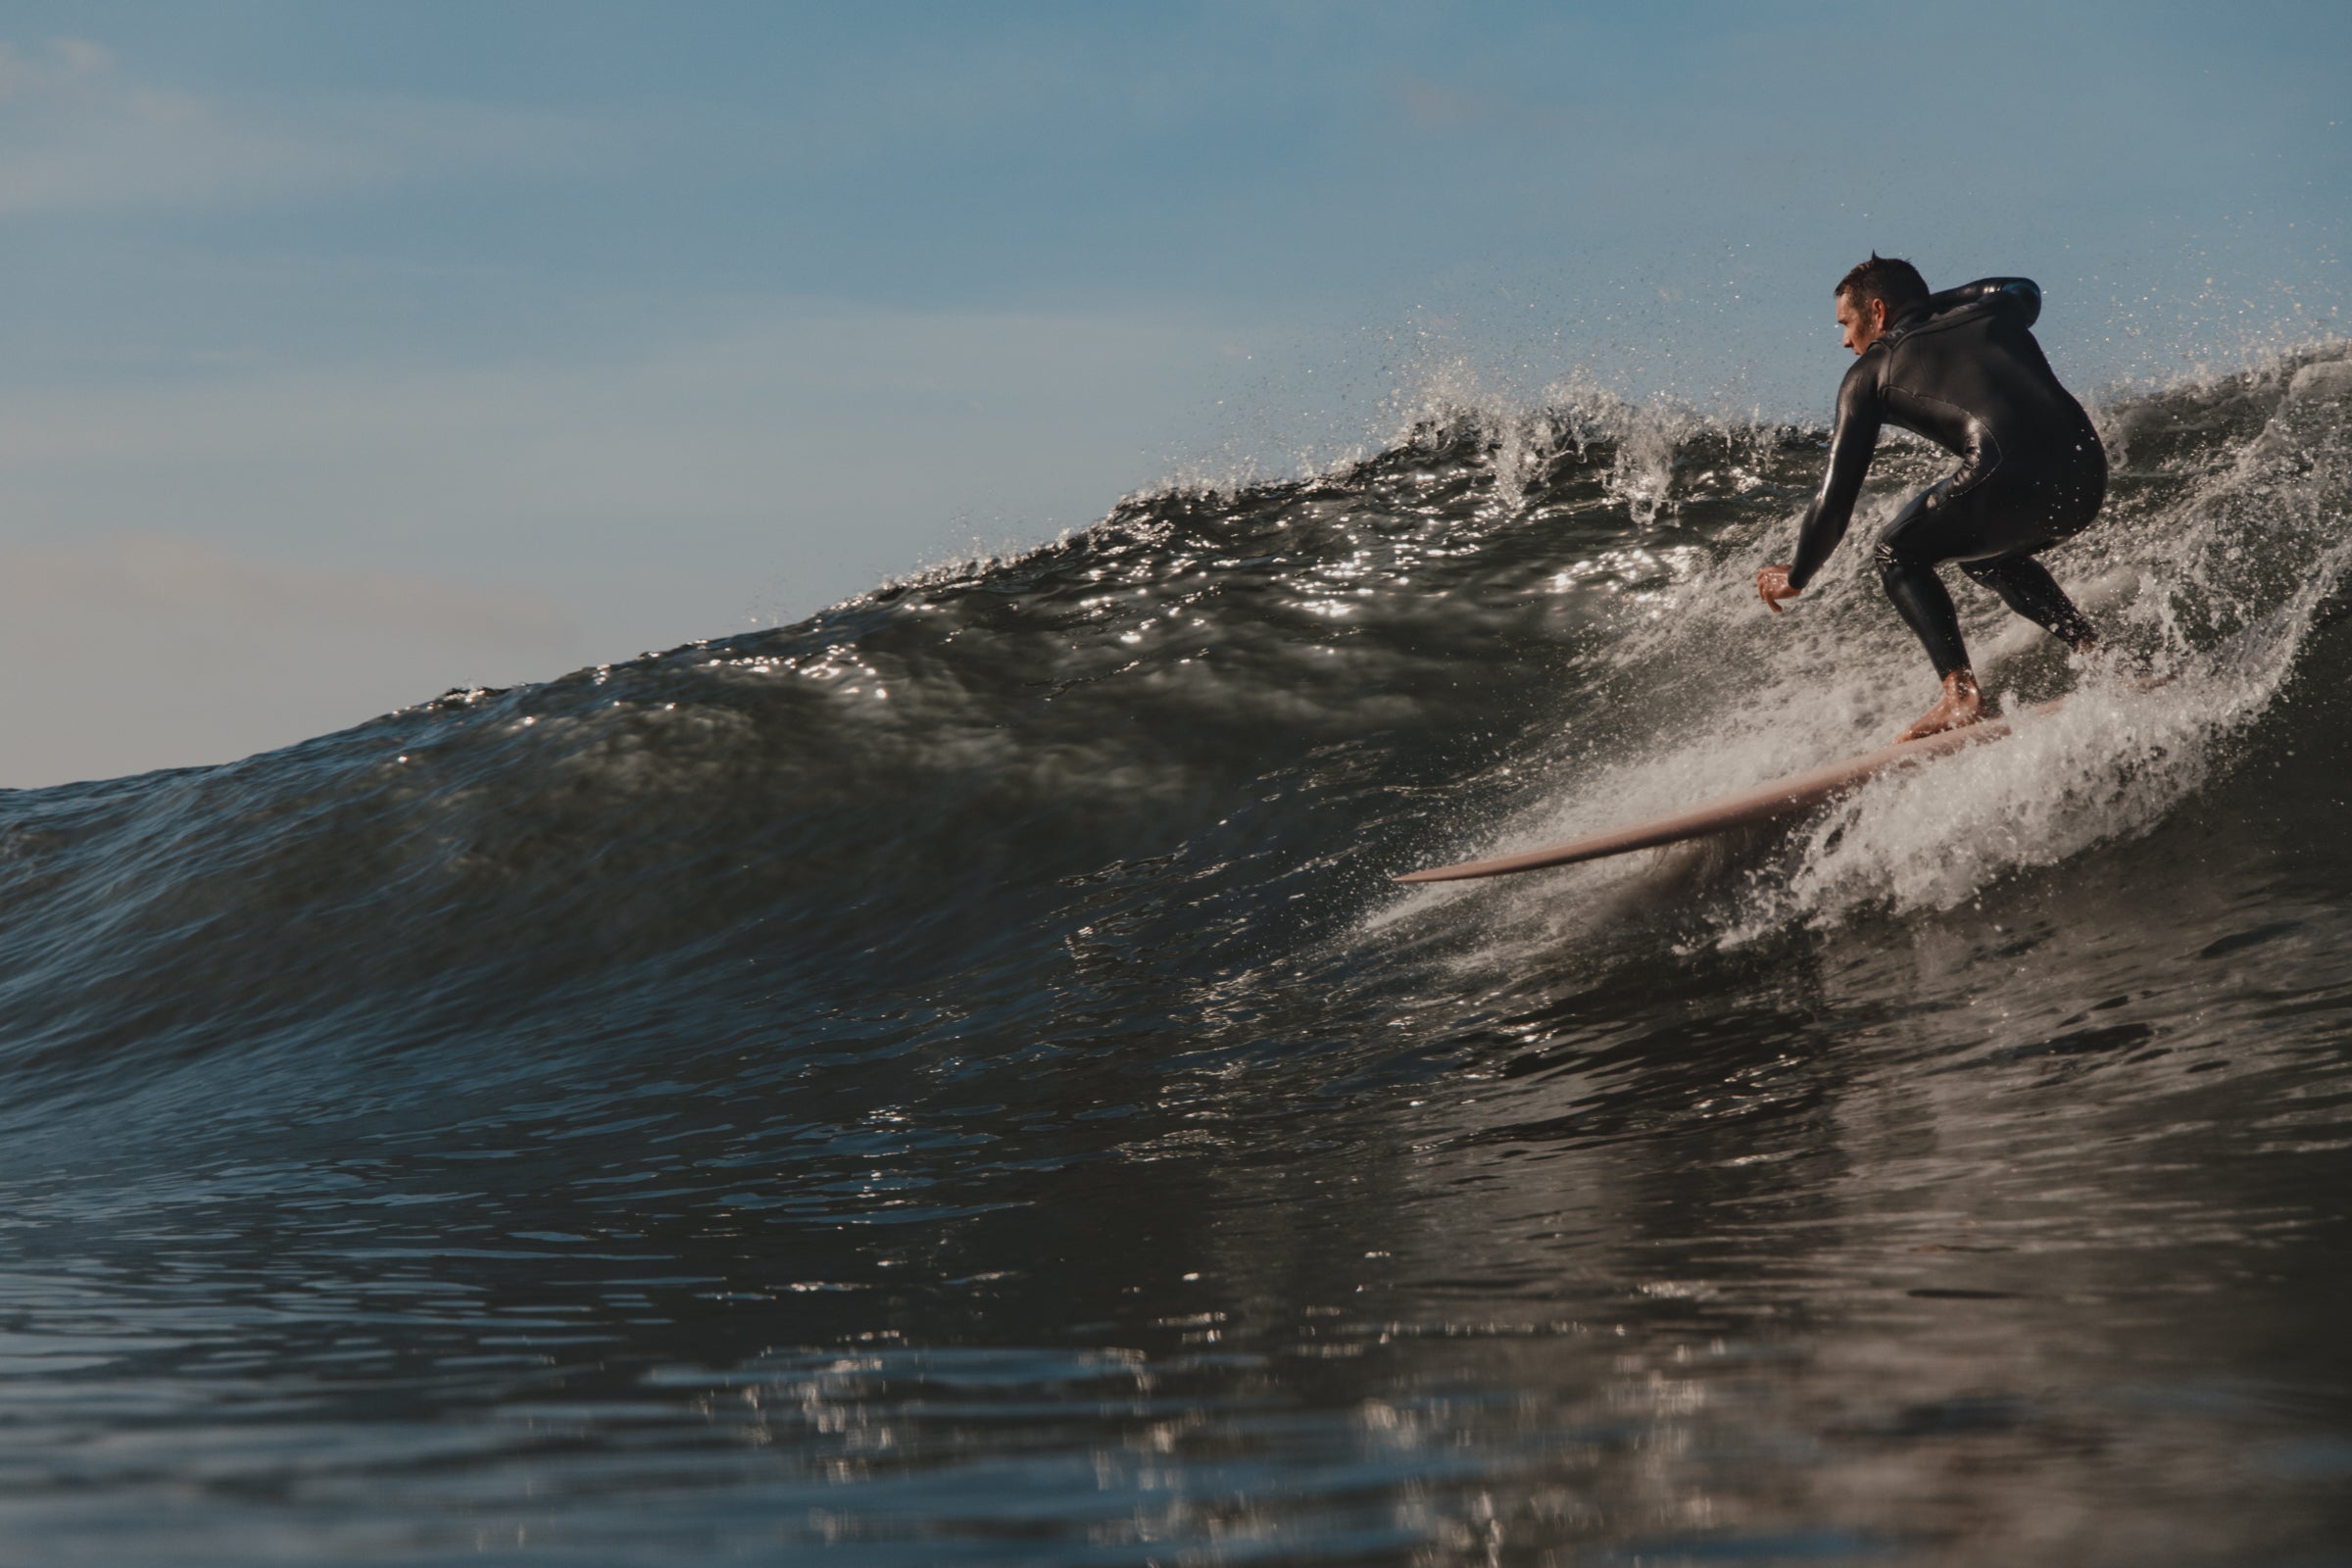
{"x": 354, "y": 350}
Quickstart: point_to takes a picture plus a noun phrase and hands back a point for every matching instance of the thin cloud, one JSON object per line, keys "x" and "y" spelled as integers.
{"x": 78, "y": 133}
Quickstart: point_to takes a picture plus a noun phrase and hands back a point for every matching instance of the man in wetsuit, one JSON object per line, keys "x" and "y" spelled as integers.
{"x": 1960, "y": 367}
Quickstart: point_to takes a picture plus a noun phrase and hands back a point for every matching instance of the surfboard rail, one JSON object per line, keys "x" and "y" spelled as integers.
{"x": 1784, "y": 797}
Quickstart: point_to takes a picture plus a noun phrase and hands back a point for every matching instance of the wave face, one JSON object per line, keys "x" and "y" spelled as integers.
{"x": 952, "y": 1080}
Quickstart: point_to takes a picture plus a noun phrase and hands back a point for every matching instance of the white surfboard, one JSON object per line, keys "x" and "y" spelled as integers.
{"x": 1784, "y": 797}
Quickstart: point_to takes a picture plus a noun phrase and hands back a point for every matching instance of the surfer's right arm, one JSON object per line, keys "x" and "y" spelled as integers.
{"x": 1851, "y": 445}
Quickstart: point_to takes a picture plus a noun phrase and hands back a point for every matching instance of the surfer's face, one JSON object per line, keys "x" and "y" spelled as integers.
{"x": 1861, "y": 323}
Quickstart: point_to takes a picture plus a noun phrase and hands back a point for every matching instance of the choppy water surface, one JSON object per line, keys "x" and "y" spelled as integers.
{"x": 952, "y": 1082}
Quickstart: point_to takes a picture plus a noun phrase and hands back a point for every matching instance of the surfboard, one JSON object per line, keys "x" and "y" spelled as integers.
{"x": 1784, "y": 797}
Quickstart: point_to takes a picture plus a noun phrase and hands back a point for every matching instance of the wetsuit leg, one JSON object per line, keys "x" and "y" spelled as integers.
{"x": 1907, "y": 554}
{"x": 2026, "y": 586}
{"x": 1993, "y": 535}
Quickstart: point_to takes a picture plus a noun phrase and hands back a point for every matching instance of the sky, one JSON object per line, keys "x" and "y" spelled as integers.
{"x": 355, "y": 351}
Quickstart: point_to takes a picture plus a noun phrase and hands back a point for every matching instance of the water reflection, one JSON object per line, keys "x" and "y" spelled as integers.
{"x": 1892, "y": 1255}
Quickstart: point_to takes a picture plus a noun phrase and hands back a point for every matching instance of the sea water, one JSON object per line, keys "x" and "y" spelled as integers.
{"x": 952, "y": 1082}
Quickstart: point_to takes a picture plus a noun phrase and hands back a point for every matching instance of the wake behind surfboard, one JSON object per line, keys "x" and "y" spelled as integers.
{"x": 1784, "y": 797}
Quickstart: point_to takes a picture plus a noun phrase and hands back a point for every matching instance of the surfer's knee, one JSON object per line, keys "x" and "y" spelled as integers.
{"x": 1894, "y": 562}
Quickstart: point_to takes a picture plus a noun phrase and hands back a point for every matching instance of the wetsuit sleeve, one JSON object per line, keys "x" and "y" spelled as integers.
{"x": 2021, "y": 294}
{"x": 1851, "y": 446}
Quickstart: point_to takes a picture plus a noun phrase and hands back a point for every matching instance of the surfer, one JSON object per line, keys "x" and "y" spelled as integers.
{"x": 1960, "y": 367}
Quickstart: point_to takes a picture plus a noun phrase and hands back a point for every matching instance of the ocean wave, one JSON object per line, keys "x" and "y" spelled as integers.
{"x": 1163, "y": 766}
{"x": 953, "y": 1079}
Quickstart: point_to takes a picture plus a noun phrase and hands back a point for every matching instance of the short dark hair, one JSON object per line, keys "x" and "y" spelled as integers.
{"x": 1885, "y": 278}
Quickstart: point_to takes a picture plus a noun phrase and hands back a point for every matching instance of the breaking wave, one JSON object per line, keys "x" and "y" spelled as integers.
{"x": 980, "y": 971}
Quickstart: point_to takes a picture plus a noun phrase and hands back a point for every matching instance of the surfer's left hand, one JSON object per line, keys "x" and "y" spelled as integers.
{"x": 1772, "y": 586}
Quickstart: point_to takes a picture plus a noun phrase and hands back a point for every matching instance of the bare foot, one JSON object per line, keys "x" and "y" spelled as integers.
{"x": 1961, "y": 706}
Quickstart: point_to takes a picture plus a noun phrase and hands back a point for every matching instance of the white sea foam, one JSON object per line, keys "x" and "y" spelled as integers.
{"x": 2218, "y": 589}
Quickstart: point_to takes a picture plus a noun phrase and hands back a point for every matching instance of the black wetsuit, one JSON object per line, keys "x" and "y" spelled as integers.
{"x": 1963, "y": 370}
